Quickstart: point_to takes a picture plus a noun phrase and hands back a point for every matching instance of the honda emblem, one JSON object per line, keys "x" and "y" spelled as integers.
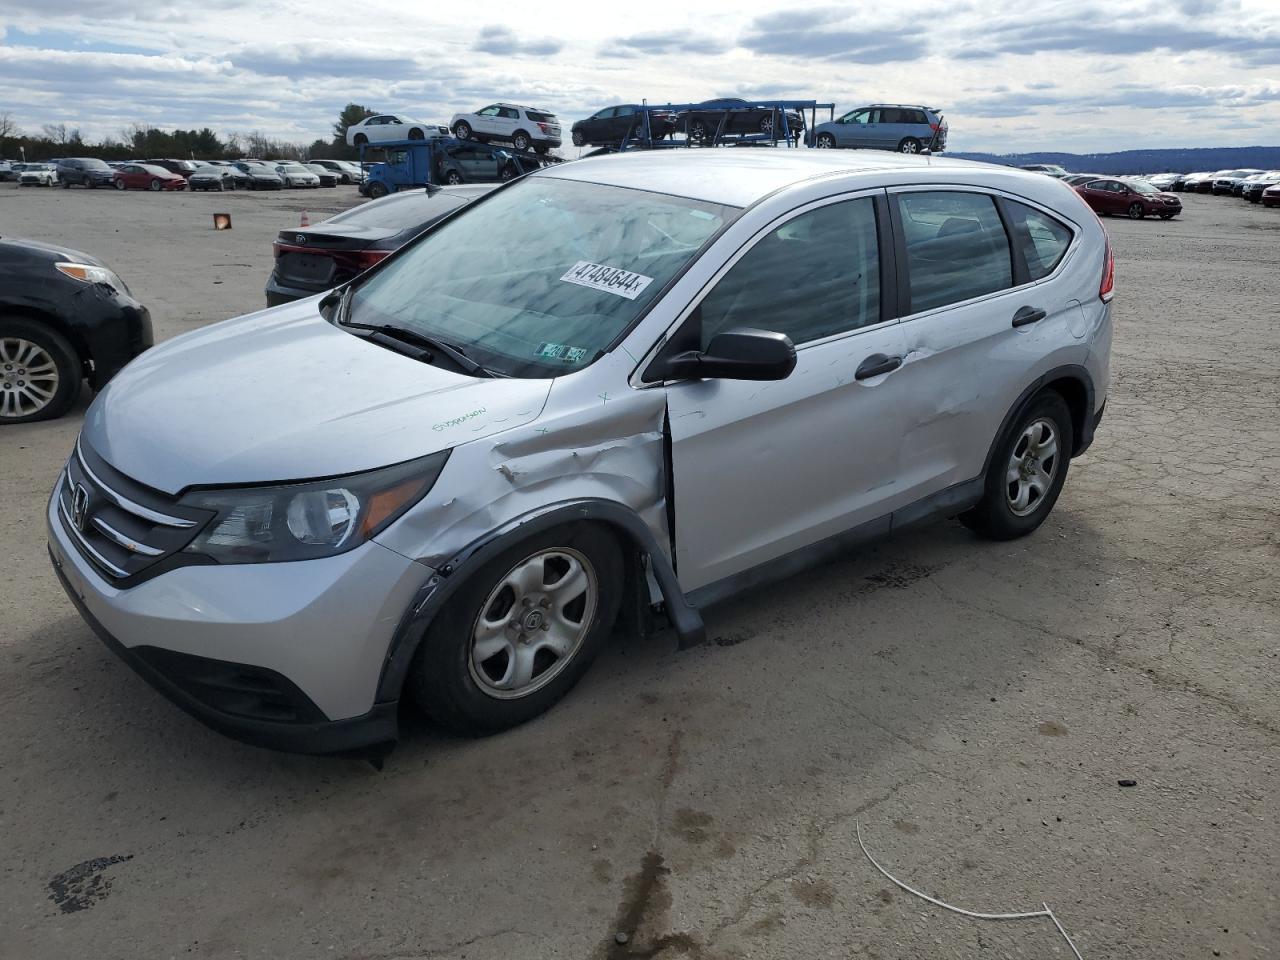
{"x": 80, "y": 507}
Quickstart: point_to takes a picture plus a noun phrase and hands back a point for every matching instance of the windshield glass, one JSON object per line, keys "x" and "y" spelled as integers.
{"x": 540, "y": 277}
{"x": 1141, "y": 186}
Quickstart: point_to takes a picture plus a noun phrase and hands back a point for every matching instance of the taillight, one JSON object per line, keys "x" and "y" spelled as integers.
{"x": 361, "y": 259}
{"x": 1107, "y": 289}
{"x": 935, "y": 127}
{"x": 542, "y": 126}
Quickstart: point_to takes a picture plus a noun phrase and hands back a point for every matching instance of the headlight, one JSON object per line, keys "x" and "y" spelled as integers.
{"x": 305, "y": 521}
{"x": 88, "y": 273}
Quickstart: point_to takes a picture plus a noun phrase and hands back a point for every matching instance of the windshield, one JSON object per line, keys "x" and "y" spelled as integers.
{"x": 541, "y": 277}
{"x": 1141, "y": 186}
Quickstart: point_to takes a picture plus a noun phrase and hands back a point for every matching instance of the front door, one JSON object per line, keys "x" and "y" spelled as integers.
{"x": 762, "y": 469}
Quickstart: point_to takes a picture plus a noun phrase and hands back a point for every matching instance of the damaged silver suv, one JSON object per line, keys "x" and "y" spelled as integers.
{"x": 615, "y": 387}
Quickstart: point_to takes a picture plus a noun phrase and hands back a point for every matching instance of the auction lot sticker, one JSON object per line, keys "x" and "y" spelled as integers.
{"x": 597, "y": 276}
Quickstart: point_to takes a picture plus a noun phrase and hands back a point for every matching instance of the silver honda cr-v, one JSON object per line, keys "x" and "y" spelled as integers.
{"x": 616, "y": 387}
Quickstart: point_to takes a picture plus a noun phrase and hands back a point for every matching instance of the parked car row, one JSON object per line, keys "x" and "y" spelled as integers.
{"x": 1247, "y": 183}
{"x": 169, "y": 174}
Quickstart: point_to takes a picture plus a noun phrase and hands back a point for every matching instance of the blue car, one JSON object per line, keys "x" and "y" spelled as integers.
{"x": 884, "y": 126}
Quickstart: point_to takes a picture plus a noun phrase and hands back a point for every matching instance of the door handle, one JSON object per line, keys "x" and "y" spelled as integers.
{"x": 875, "y": 365}
{"x": 1028, "y": 315}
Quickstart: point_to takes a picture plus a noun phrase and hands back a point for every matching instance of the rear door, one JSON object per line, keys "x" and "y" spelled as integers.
{"x": 893, "y": 127}
{"x": 762, "y": 469}
{"x": 966, "y": 281}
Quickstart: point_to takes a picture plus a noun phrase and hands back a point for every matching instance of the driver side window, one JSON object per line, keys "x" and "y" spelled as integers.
{"x": 815, "y": 276}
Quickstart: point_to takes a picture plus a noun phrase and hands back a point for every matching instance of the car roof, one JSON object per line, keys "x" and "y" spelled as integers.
{"x": 741, "y": 177}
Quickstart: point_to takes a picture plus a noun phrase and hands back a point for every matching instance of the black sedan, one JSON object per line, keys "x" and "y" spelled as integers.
{"x": 328, "y": 178}
{"x": 64, "y": 317}
{"x": 314, "y": 259}
{"x": 615, "y": 124}
{"x": 734, "y": 116}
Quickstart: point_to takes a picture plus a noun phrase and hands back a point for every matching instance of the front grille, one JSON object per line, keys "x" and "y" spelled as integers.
{"x": 122, "y": 527}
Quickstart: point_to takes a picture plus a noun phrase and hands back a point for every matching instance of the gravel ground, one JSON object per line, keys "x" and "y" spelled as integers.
{"x": 972, "y": 704}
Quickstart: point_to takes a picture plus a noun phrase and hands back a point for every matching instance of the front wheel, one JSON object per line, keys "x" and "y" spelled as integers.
{"x": 826, "y": 141}
{"x": 1027, "y": 471}
{"x": 453, "y": 177}
{"x": 698, "y": 131}
{"x": 577, "y": 138}
{"x": 462, "y": 130}
{"x": 1136, "y": 211}
{"x": 417, "y": 134}
{"x": 520, "y": 632}
{"x": 40, "y": 373}
{"x": 377, "y": 191}
{"x": 156, "y": 185}
{"x": 909, "y": 145}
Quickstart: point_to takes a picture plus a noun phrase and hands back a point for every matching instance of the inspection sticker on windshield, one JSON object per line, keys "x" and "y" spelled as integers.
{"x": 597, "y": 276}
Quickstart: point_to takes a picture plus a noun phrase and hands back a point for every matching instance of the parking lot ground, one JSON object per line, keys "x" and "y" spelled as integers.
{"x": 972, "y": 704}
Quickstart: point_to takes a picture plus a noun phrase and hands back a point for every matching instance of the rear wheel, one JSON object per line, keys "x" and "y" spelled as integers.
{"x": 453, "y": 177}
{"x": 698, "y": 132}
{"x": 1137, "y": 211}
{"x": 119, "y": 184}
{"x": 508, "y": 172}
{"x": 909, "y": 145}
{"x": 521, "y": 631}
{"x": 360, "y": 140}
{"x": 40, "y": 373}
{"x": 577, "y": 138}
{"x": 1026, "y": 472}
{"x": 462, "y": 130}
{"x": 826, "y": 141}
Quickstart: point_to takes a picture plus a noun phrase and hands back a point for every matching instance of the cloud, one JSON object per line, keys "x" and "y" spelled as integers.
{"x": 664, "y": 42}
{"x": 504, "y": 41}
{"x": 307, "y": 59}
{"x": 833, "y": 33}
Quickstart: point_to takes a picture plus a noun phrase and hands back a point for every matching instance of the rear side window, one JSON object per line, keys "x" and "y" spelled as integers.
{"x": 1043, "y": 239}
{"x": 538, "y": 117}
{"x": 957, "y": 248}
{"x": 815, "y": 276}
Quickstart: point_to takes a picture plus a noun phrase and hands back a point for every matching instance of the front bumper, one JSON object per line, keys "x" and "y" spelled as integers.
{"x": 283, "y": 655}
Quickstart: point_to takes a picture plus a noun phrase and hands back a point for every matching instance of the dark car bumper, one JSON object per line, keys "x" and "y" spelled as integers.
{"x": 279, "y": 293}
{"x": 237, "y": 700}
{"x": 114, "y": 327}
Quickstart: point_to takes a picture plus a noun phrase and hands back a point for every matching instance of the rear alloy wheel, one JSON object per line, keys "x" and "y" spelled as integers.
{"x": 39, "y": 372}
{"x": 156, "y": 185}
{"x": 119, "y": 184}
{"x": 520, "y": 141}
{"x": 1137, "y": 211}
{"x": 1026, "y": 472}
{"x": 909, "y": 145}
{"x": 521, "y": 631}
{"x": 462, "y": 130}
{"x": 377, "y": 191}
{"x": 453, "y": 177}
{"x": 698, "y": 132}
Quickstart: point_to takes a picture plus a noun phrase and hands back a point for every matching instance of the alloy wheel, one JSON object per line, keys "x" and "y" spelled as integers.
{"x": 826, "y": 141}
{"x": 533, "y": 623}
{"x": 1032, "y": 467}
{"x": 28, "y": 377}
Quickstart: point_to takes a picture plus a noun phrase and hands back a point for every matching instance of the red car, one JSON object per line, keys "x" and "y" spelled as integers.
{"x": 147, "y": 176}
{"x": 1132, "y": 198}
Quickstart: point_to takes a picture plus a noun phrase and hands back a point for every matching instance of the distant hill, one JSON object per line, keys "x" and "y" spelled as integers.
{"x": 1174, "y": 160}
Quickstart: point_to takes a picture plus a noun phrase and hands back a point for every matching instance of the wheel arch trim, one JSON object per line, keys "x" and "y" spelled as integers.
{"x": 450, "y": 575}
{"x": 1083, "y": 429}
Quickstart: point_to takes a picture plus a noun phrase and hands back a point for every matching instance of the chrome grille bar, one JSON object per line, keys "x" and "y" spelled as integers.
{"x": 133, "y": 546}
{"x": 124, "y": 503}
{"x": 85, "y": 545}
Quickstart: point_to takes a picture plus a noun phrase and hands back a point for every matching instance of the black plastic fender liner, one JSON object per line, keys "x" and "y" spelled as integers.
{"x": 685, "y": 619}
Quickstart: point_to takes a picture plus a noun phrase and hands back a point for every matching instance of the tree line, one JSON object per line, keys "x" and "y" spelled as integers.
{"x": 141, "y": 141}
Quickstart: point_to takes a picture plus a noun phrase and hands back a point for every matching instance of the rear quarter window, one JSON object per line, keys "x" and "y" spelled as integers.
{"x": 537, "y": 117}
{"x": 1043, "y": 239}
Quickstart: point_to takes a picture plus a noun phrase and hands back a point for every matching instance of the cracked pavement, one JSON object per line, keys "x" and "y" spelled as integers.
{"x": 973, "y": 704}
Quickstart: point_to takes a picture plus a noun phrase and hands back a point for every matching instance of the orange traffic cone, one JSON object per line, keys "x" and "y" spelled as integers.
{"x": 306, "y": 220}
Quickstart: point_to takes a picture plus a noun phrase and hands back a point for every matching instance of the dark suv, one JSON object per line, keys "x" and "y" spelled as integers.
{"x": 84, "y": 171}
{"x": 884, "y": 126}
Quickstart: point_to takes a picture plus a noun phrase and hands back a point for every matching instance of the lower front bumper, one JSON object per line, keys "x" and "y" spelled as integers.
{"x": 188, "y": 682}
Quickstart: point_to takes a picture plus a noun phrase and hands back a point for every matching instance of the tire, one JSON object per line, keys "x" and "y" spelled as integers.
{"x": 826, "y": 141}
{"x": 1136, "y": 211}
{"x": 909, "y": 145}
{"x": 698, "y": 131}
{"x": 473, "y": 696}
{"x": 119, "y": 184}
{"x": 66, "y": 184}
{"x": 578, "y": 139}
{"x": 360, "y": 140}
{"x": 520, "y": 140}
{"x": 156, "y": 186}
{"x": 766, "y": 124}
{"x": 453, "y": 177}
{"x": 416, "y": 133}
{"x": 377, "y": 191}
{"x": 541, "y": 149}
{"x": 997, "y": 515}
{"x": 462, "y": 130}
{"x": 53, "y": 394}
{"x": 508, "y": 172}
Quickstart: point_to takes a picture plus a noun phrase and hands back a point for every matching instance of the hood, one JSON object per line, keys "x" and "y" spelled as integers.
{"x": 50, "y": 252}
{"x": 284, "y": 395}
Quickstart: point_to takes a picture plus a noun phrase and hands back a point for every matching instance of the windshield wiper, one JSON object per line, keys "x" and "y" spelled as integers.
{"x": 432, "y": 345}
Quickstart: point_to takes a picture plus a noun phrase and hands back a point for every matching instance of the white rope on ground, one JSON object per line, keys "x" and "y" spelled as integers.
{"x": 1046, "y": 912}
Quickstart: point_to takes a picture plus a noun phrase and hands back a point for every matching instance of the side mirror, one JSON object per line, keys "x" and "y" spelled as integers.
{"x": 738, "y": 354}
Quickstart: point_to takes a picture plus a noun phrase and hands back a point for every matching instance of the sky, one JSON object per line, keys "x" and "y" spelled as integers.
{"x": 1079, "y": 76}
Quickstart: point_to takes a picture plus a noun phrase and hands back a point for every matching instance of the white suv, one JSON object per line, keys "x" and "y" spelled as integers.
{"x": 385, "y": 127}
{"x": 522, "y": 127}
